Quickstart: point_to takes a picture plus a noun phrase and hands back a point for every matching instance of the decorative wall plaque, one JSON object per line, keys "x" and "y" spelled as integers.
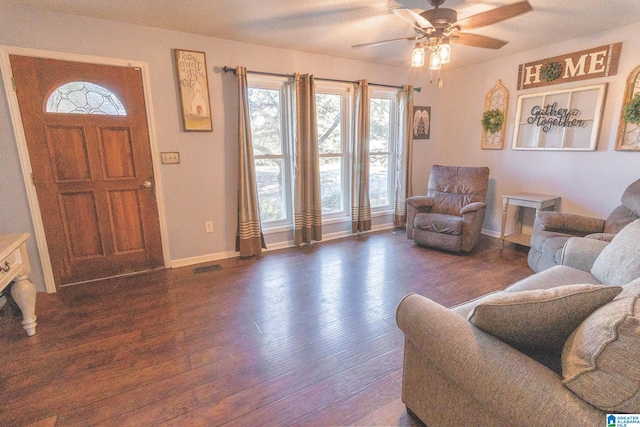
{"x": 600, "y": 61}
{"x": 629, "y": 133}
{"x": 497, "y": 99}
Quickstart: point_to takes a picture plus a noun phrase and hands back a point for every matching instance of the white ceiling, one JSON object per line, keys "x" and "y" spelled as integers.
{"x": 331, "y": 27}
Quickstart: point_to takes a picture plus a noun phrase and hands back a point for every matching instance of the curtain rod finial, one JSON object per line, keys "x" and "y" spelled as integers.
{"x": 228, "y": 69}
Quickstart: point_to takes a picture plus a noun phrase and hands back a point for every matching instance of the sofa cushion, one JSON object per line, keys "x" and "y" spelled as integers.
{"x": 540, "y": 319}
{"x": 631, "y": 289}
{"x": 439, "y": 223}
{"x": 619, "y": 262}
{"x": 601, "y": 361}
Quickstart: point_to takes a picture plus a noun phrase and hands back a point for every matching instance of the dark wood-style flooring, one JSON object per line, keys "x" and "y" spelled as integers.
{"x": 298, "y": 337}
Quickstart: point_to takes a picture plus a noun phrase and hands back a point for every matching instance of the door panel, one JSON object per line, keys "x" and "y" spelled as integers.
{"x": 90, "y": 170}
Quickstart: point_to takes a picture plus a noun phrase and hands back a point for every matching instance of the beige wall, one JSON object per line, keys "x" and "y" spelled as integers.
{"x": 203, "y": 187}
{"x": 589, "y": 183}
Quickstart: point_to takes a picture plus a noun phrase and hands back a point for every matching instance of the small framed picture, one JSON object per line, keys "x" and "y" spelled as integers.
{"x": 194, "y": 90}
{"x": 421, "y": 122}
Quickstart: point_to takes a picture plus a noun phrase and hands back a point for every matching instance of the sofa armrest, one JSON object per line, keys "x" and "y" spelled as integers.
{"x": 501, "y": 379}
{"x": 416, "y": 205}
{"x": 472, "y": 207}
{"x": 568, "y": 223}
{"x": 581, "y": 252}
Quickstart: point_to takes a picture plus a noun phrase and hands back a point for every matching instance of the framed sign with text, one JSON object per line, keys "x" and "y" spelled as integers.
{"x": 600, "y": 61}
{"x": 191, "y": 70}
{"x": 560, "y": 120}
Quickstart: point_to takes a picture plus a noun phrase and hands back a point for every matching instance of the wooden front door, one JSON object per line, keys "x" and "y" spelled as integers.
{"x": 88, "y": 141}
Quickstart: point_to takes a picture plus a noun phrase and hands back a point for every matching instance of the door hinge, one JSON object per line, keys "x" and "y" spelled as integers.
{"x": 33, "y": 179}
{"x": 13, "y": 81}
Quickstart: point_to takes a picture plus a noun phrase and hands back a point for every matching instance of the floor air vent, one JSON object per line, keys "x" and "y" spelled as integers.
{"x": 206, "y": 268}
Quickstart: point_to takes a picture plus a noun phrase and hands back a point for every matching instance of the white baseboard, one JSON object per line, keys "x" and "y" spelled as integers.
{"x": 185, "y": 262}
{"x": 491, "y": 233}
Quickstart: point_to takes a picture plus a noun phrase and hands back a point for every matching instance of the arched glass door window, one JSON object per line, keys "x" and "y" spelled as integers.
{"x": 84, "y": 98}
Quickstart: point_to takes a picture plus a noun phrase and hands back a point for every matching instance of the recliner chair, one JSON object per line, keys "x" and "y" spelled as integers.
{"x": 552, "y": 229}
{"x": 450, "y": 216}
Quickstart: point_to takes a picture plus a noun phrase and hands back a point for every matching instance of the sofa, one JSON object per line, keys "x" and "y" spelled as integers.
{"x": 552, "y": 229}
{"x": 560, "y": 347}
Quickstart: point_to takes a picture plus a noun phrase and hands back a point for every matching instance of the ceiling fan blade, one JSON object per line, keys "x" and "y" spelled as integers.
{"x": 476, "y": 40}
{"x": 416, "y": 20}
{"x": 494, "y": 15}
{"x": 385, "y": 41}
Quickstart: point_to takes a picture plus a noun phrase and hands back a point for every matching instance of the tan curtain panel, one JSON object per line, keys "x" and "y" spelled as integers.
{"x": 404, "y": 154}
{"x": 249, "y": 237}
{"x": 307, "y": 202}
{"x": 360, "y": 206}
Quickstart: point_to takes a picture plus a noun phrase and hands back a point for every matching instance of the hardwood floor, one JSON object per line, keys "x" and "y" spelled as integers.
{"x": 302, "y": 336}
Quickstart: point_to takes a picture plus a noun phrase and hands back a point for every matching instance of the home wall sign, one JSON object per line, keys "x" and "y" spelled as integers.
{"x": 559, "y": 120}
{"x": 194, "y": 90}
{"x": 600, "y": 61}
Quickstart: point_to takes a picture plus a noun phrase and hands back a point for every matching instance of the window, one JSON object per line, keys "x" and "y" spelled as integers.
{"x": 381, "y": 149}
{"x": 271, "y": 148}
{"x": 84, "y": 98}
{"x": 331, "y": 110}
{"x": 270, "y": 110}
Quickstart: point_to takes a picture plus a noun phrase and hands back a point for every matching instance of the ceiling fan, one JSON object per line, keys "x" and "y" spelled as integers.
{"x": 439, "y": 26}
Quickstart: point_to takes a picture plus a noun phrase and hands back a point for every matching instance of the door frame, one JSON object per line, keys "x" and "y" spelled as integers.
{"x": 25, "y": 161}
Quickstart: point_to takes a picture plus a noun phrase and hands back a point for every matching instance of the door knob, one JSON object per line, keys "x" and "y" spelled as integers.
{"x": 146, "y": 184}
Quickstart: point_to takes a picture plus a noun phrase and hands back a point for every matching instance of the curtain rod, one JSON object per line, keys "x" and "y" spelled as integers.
{"x": 263, "y": 73}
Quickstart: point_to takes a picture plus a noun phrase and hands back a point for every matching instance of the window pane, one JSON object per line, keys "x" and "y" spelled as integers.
{"x": 331, "y": 184}
{"x": 264, "y": 112}
{"x": 329, "y": 113}
{"x": 379, "y": 180}
{"x": 380, "y": 124}
{"x": 270, "y": 183}
{"x": 84, "y": 98}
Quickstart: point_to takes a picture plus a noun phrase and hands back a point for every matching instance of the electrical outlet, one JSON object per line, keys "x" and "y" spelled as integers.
{"x": 169, "y": 158}
{"x": 208, "y": 226}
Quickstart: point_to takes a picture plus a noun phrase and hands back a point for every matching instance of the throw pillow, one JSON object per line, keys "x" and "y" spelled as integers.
{"x": 619, "y": 262}
{"x": 601, "y": 361}
{"x": 631, "y": 289}
{"x": 540, "y": 319}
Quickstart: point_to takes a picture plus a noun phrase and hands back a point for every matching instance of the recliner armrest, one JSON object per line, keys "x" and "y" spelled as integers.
{"x": 416, "y": 205}
{"x": 420, "y": 202}
{"x": 472, "y": 207}
{"x": 581, "y": 252}
{"x": 568, "y": 223}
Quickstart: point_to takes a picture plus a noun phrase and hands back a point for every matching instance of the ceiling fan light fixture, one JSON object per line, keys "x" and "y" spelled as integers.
{"x": 434, "y": 61}
{"x": 417, "y": 56}
{"x": 444, "y": 52}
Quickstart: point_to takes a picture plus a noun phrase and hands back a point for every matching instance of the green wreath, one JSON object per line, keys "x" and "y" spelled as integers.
{"x": 632, "y": 110}
{"x": 492, "y": 120}
{"x": 550, "y": 71}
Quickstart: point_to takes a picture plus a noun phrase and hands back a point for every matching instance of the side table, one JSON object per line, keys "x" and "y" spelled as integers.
{"x": 14, "y": 266}
{"x": 528, "y": 200}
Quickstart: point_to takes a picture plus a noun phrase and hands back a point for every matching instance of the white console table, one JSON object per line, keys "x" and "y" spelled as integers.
{"x": 527, "y": 200}
{"x": 14, "y": 266}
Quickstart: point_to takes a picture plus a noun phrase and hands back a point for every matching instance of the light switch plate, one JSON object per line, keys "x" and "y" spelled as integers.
{"x": 170, "y": 158}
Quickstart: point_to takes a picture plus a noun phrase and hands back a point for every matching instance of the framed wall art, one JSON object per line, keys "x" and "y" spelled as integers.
{"x": 629, "y": 127}
{"x": 421, "y": 122}
{"x": 494, "y": 119}
{"x": 560, "y": 120}
{"x": 191, "y": 69}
